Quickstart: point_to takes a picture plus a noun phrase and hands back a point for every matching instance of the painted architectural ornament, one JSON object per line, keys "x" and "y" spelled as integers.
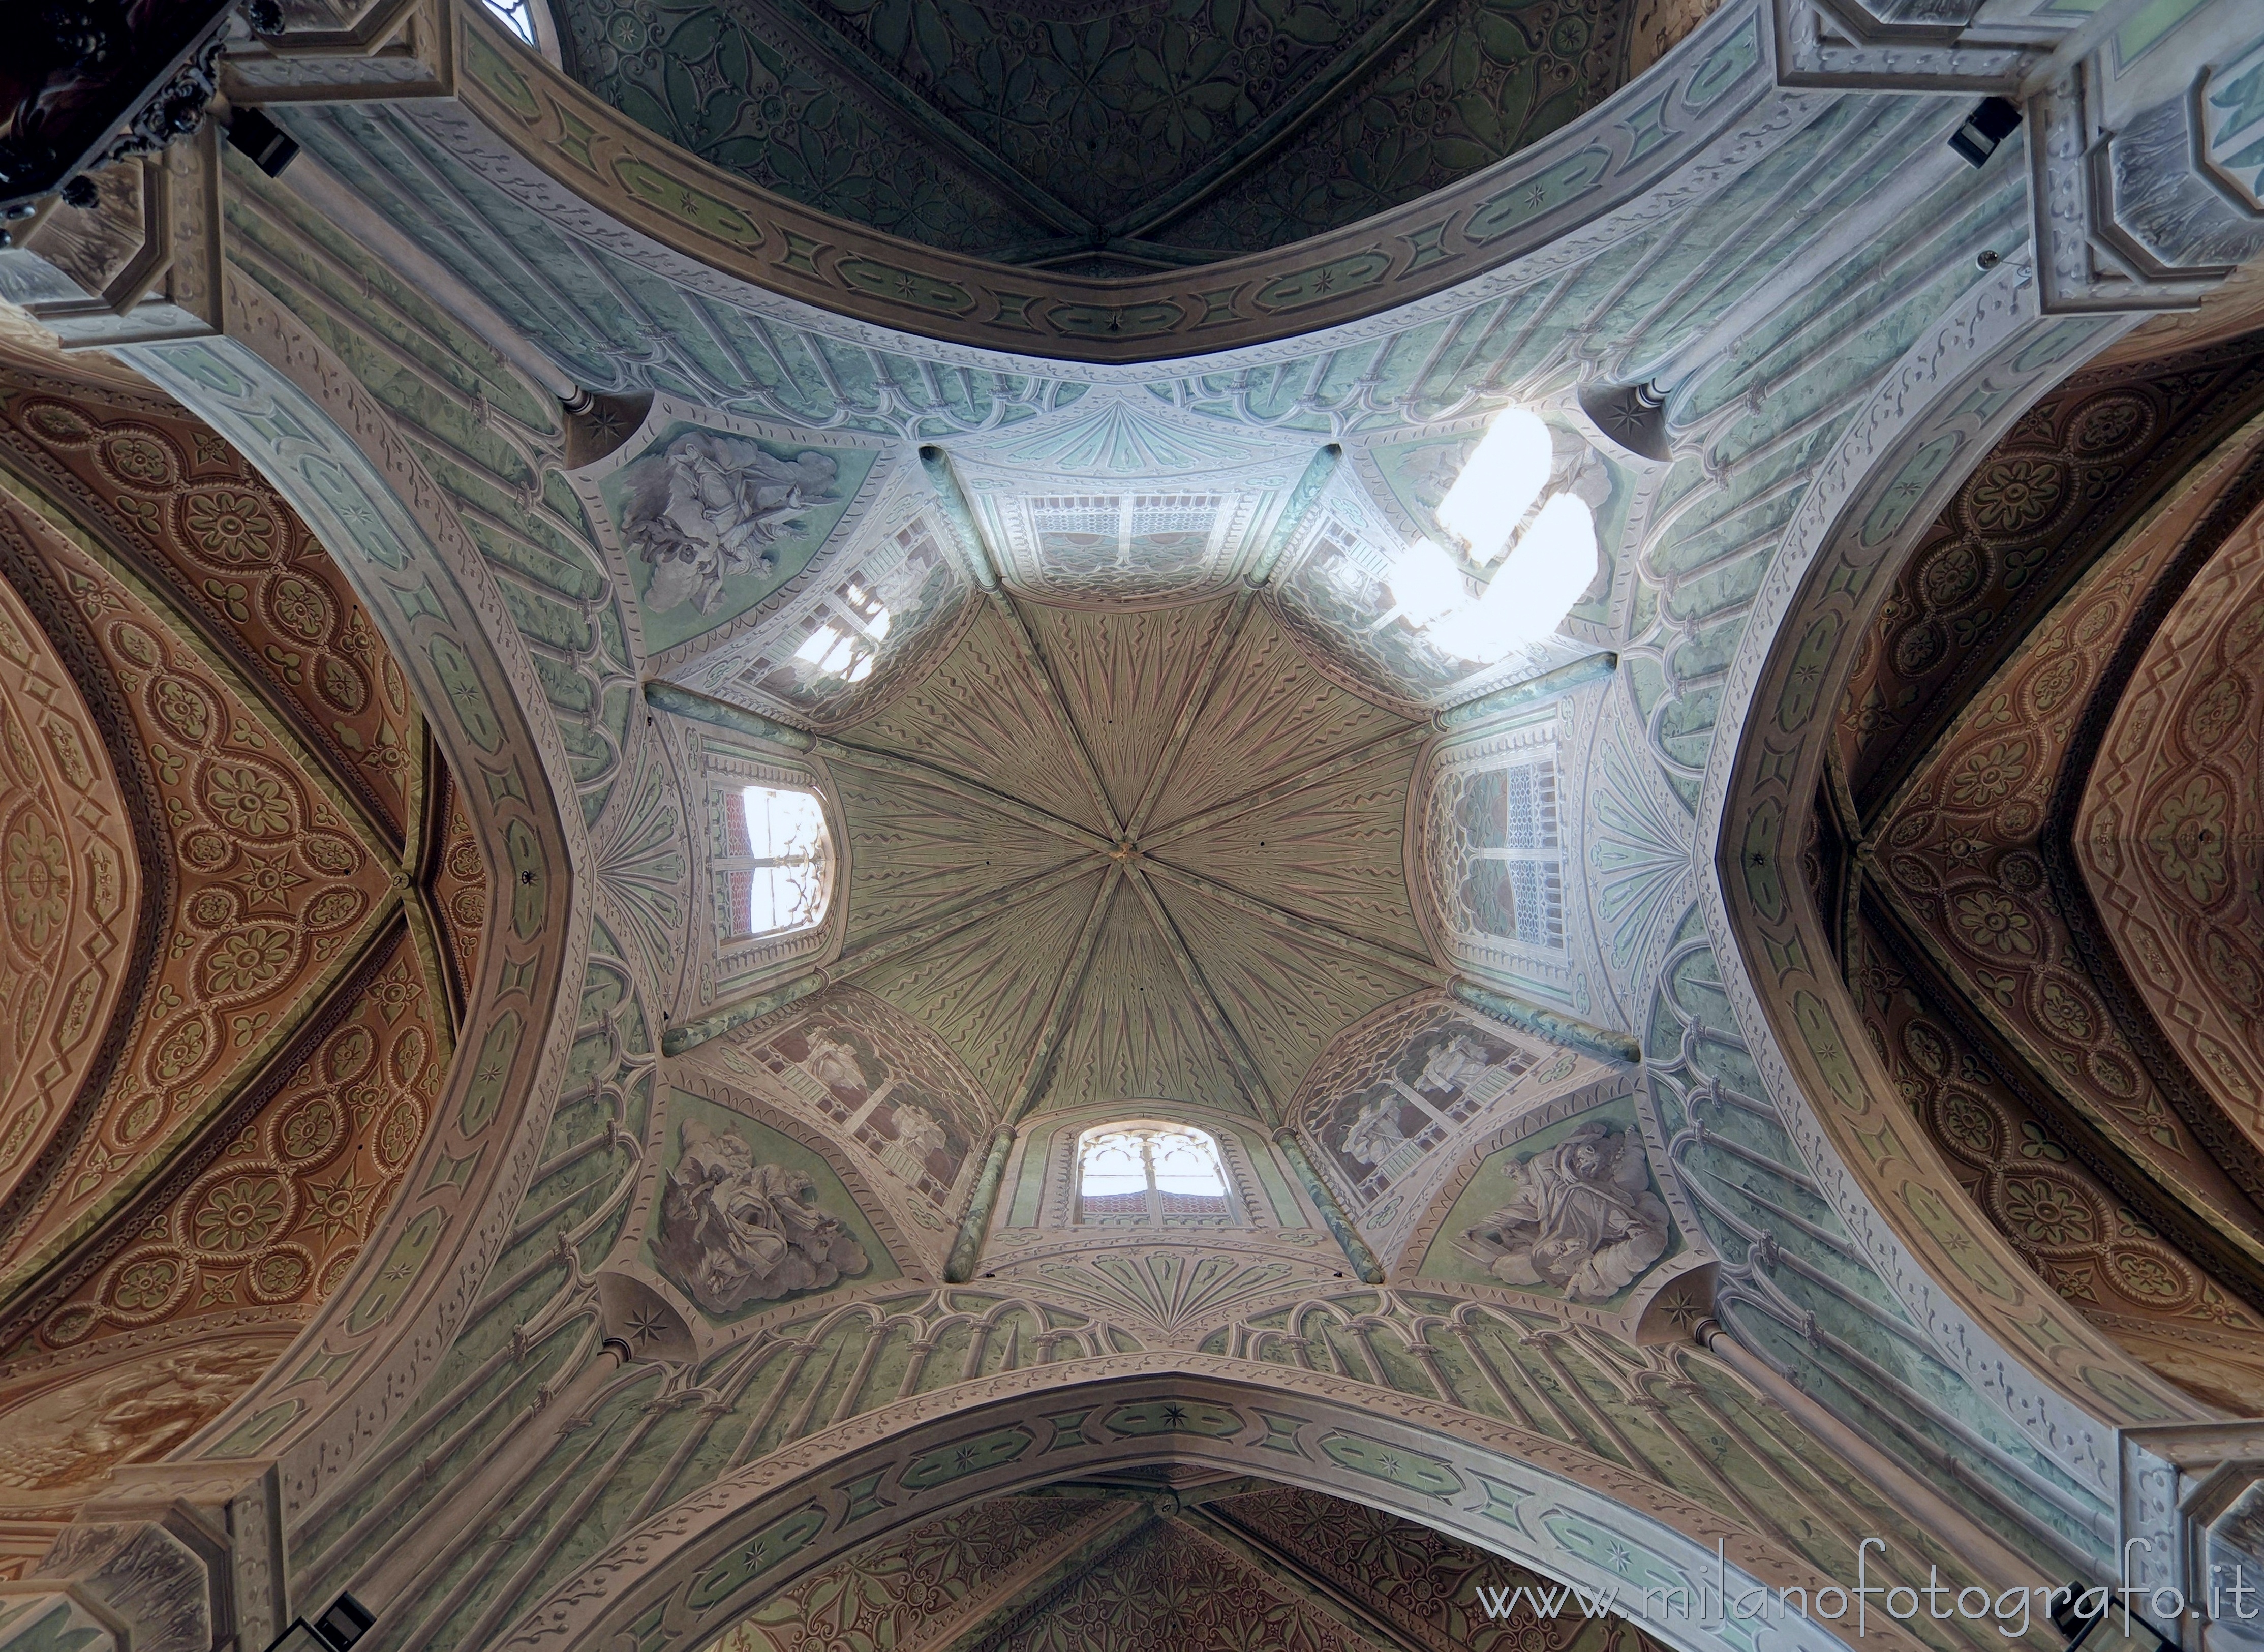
{"x": 734, "y": 1231}
{"x": 1582, "y": 1219}
{"x": 1387, "y": 1096}
{"x": 1656, "y": 1138}
{"x": 879, "y": 1080}
{"x": 219, "y": 1041}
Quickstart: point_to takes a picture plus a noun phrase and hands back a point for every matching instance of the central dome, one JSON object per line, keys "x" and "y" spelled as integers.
{"x": 1147, "y": 853}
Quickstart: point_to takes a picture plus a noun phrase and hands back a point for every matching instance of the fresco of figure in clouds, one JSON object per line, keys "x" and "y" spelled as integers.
{"x": 73, "y": 1434}
{"x": 710, "y": 507}
{"x": 735, "y": 1230}
{"x": 1581, "y": 1219}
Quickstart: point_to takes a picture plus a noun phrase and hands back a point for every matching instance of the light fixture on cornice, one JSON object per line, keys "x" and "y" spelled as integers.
{"x": 1546, "y": 561}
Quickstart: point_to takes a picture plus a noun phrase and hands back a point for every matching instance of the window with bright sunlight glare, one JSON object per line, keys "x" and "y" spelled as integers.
{"x": 517, "y": 16}
{"x": 1545, "y": 563}
{"x": 1498, "y": 484}
{"x": 777, "y": 877}
{"x": 847, "y": 640}
{"x": 1142, "y": 1170}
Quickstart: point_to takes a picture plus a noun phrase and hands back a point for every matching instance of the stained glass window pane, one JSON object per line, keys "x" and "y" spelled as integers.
{"x": 1531, "y": 803}
{"x": 1507, "y": 855}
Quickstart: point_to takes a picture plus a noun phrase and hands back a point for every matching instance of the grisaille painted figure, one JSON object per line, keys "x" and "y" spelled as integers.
{"x": 710, "y": 507}
{"x": 1584, "y": 1218}
{"x": 735, "y": 1231}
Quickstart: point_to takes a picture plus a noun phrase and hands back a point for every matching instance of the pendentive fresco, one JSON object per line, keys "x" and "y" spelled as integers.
{"x": 734, "y": 1231}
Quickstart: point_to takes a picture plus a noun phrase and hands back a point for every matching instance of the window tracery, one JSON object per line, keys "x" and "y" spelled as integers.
{"x": 517, "y": 16}
{"x": 1142, "y": 1172}
{"x": 776, "y": 870}
{"x": 1499, "y": 508}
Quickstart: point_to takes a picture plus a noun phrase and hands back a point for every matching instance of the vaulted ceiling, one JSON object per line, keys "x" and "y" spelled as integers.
{"x": 2039, "y": 847}
{"x": 1175, "y": 1560}
{"x": 675, "y": 1324}
{"x": 1198, "y": 838}
{"x": 224, "y": 1024}
{"x": 1101, "y": 139}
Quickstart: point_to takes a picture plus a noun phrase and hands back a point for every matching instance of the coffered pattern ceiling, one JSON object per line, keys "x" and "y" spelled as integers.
{"x": 2171, "y": 837}
{"x": 2034, "y": 840}
{"x": 2075, "y": 471}
{"x": 1178, "y": 1559}
{"x": 269, "y": 887}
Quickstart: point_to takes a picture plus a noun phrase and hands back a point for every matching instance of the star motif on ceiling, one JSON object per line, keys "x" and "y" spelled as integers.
{"x": 1681, "y": 1307}
{"x": 267, "y": 880}
{"x": 335, "y": 1207}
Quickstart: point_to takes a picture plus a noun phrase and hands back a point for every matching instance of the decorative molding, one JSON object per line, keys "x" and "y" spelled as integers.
{"x": 1885, "y": 480}
{"x": 509, "y": 109}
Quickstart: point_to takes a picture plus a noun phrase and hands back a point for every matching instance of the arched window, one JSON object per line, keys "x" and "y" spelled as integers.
{"x": 1143, "y": 1172}
{"x": 777, "y": 867}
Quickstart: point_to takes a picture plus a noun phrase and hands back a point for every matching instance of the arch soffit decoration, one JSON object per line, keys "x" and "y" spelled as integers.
{"x": 278, "y": 394}
{"x": 528, "y": 127}
{"x": 295, "y": 980}
{"x": 2186, "y": 692}
{"x": 675, "y": 1583}
{"x": 214, "y": 695}
{"x": 2059, "y": 1379}
{"x": 2149, "y": 1130}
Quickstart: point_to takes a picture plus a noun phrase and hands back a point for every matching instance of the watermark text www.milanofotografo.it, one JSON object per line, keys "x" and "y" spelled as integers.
{"x": 1710, "y": 1602}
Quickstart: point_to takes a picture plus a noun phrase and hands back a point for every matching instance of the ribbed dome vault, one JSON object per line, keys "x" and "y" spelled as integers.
{"x": 1131, "y": 853}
